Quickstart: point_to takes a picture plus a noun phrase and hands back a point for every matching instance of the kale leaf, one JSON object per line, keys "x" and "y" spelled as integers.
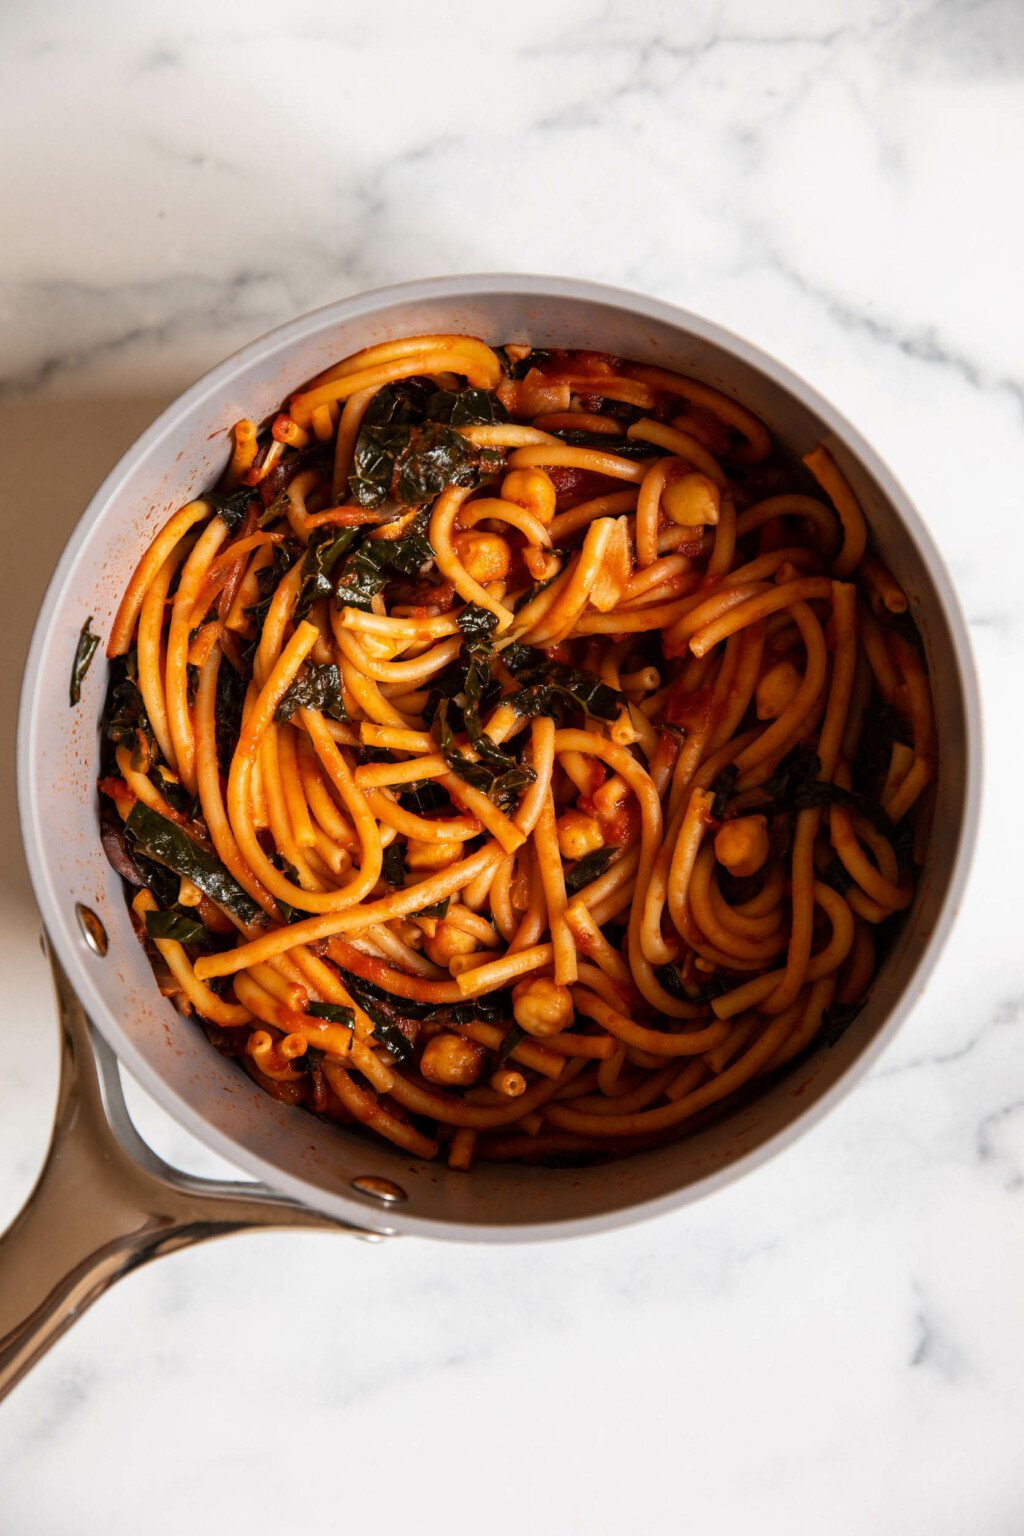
{"x": 369, "y": 568}
{"x": 411, "y": 464}
{"x": 606, "y": 442}
{"x": 334, "y": 1013}
{"x": 231, "y": 506}
{"x": 587, "y": 869}
{"x": 85, "y": 650}
{"x": 408, "y": 447}
{"x": 554, "y": 688}
{"x": 321, "y": 557}
{"x": 164, "y": 842}
{"x": 795, "y": 786}
{"x": 391, "y": 1025}
{"x": 466, "y": 408}
{"x": 128, "y": 724}
{"x": 319, "y": 688}
{"x": 178, "y": 926}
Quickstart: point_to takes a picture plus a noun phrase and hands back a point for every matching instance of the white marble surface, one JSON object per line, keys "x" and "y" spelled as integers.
{"x": 837, "y": 1343}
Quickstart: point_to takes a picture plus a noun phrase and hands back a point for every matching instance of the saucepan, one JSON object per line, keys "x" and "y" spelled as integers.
{"x": 104, "y": 1202}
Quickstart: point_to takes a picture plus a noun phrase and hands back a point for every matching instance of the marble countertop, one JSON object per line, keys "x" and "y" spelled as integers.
{"x": 836, "y": 1343}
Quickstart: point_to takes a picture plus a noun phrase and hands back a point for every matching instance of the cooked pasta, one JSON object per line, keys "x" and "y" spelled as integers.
{"x": 517, "y": 754}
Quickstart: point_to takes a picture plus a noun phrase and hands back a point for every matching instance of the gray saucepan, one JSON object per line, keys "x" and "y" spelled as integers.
{"x": 104, "y": 1203}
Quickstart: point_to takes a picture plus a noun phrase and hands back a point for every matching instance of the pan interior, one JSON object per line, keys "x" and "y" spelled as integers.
{"x": 181, "y": 455}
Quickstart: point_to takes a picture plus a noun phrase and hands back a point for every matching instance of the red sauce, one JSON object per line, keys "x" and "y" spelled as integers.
{"x": 693, "y": 711}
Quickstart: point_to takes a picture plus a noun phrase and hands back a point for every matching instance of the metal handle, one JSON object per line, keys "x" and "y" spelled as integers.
{"x": 105, "y": 1203}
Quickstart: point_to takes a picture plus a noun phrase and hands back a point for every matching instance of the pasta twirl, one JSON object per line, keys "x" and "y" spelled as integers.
{"x": 517, "y": 755}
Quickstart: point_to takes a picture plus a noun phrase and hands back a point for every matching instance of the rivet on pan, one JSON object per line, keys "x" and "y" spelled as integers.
{"x": 93, "y": 931}
{"x": 379, "y": 1189}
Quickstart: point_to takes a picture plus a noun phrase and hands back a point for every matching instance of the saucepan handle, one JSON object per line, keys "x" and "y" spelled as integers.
{"x": 105, "y": 1203}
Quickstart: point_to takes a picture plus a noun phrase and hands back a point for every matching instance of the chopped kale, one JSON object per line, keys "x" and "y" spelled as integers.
{"x": 231, "y": 506}
{"x": 514, "y": 1035}
{"x": 319, "y": 688}
{"x": 606, "y": 442}
{"x": 554, "y": 688}
{"x": 164, "y": 842}
{"x": 177, "y": 926}
{"x": 393, "y": 864}
{"x": 85, "y": 650}
{"x": 587, "y": 869}
{"x": 465, "y": 408}
{"x": 334, "y": 1013}
{"x": 722, "y": 790}
{"x": 370, "y": 567}
{"x": 322, "y": 555}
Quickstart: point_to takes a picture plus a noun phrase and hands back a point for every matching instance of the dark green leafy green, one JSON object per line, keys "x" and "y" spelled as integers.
{"x": 554, "y": 688}
{"x": 881, "y": 727}
{"x": 492, "y": 1009}
{"x": 318, "y": 688}
{"x": 587, "y": 869}
{"x": 514, "y": 1035}
{"x": 392, "y": 869}
{"x": 231, "y": 506}
{"x": 837, "y": 875}
{"x": 795, "y": 786}
{"x": 477, "y": 625}
{"x": 496, "y": 774}
{"x": 164, "y": 842}
{"x": 128, "y": 723}
{"x": 334, "y": 1013}
{"x": 268, "y": 579}
{"x": 518, "y": 368}
{"x": 322, "y": 555}
{"x": 392, "y": 1026}
{"x": 607, "y": 442}
{"x": 465, "y": 408}
{"x": 408, "y": 447}
{"x": 177, "y": 926}
{"x": 670, "y": 977}
{"x": 274, "y": 510}
{"x": 412, "y": 464}
{"x": 231, "y": 689}
{"x": 535, "y": 591}
{"x": 85, "y": 650}
{"x": 369, "y": 568}
{"x": 176, "y": 795}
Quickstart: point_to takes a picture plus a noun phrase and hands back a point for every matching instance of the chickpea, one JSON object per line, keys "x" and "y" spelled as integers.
{"x": 447, "y": 941}
{"x": 431, "y": 855}
{"x": 692, "y": 501}
{"x": 452, "y": 1061}
{"x": 742, "y": 845}
{"x": 532, "y": 489}
{"x": 776, "y": 689}
{"x": 486, "y": 556}
{"x": 541, "y": 1006}
{"x": 578, "y": 834}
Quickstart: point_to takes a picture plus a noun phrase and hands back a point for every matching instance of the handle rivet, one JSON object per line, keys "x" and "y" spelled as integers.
{"x": 379, "y": 1189}
{"x": 93, "y": 931}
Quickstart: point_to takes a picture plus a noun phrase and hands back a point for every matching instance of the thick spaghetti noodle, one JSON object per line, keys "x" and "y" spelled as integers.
{"x": 516, "y": 754}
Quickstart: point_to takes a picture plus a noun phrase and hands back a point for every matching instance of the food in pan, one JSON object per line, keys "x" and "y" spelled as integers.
{"x": 517, "y": 754}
